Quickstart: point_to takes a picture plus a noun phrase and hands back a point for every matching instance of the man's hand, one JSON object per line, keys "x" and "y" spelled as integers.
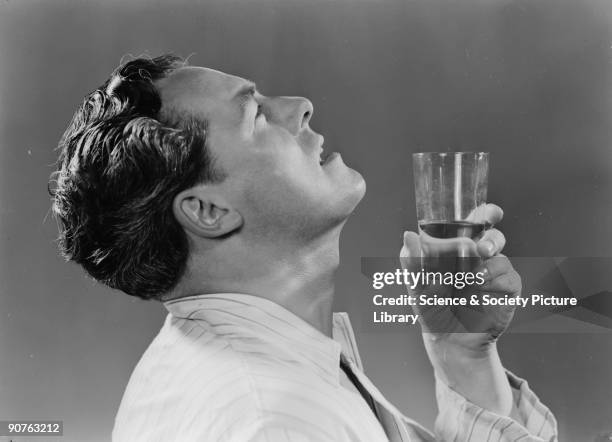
{"x": 461, "y": 341}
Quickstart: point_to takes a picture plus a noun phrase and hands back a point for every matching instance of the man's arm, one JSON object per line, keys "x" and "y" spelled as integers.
{"x": 475, "y": 393}
{"x": 479, "y": 376}
{"x": 461, "y": 420}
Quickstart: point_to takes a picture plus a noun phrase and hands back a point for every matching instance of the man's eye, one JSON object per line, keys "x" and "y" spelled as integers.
{"x": 259, "y": 111}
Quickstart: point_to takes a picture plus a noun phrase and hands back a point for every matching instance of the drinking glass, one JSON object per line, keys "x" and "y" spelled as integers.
{"x": 451, "y": 193}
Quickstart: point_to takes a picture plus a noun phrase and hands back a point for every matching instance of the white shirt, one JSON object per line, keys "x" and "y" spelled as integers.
{"x": 236, "y": 367}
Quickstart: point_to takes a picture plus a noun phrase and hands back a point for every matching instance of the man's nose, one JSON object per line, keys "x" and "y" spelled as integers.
{"x": 305, "y": 111}
{"x": 296, "y": 113}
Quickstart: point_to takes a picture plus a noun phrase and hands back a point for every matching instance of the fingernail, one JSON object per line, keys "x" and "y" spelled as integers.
{"x": 489, "y": 247}
{"x": 485, "y": 273}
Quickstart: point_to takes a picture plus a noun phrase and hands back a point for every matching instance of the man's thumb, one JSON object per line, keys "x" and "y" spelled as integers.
{"x": 411, "y": 251}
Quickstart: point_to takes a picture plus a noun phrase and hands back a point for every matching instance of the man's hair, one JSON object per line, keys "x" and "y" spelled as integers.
{"x": 120, "y": 166}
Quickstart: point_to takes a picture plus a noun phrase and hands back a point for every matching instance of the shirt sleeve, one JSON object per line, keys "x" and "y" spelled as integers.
{"x": 459, "y": 419}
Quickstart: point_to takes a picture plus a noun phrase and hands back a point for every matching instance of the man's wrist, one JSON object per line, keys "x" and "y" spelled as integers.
{"x": 475, "y": 373}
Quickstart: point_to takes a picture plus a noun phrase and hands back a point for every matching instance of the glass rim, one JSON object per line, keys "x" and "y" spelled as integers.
{"x": 450, "y": 153}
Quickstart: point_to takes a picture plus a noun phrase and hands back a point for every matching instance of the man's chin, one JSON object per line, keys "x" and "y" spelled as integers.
{"x": 359, "y": 185}
{"x": 354, "y": 192}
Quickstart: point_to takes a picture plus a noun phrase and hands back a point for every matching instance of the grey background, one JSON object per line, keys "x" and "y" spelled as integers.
{"x": 527, "y": 81}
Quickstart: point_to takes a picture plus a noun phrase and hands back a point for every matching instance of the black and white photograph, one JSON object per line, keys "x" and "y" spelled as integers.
{"x": 306, "y": 220}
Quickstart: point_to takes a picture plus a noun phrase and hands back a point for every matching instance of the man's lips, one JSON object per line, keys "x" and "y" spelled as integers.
{"x": 325, "y": 156}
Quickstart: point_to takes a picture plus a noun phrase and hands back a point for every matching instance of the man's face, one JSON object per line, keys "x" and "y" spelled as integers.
{"x": 276, "y": 178}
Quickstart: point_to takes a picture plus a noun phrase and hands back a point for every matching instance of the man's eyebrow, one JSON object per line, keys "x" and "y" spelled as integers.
{"x": 245, "y": 92}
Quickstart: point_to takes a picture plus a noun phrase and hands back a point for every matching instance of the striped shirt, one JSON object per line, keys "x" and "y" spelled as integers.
{"x": 236, "y": 367}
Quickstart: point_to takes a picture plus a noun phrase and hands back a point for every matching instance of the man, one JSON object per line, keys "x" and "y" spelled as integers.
{"x": 187, "y": 185}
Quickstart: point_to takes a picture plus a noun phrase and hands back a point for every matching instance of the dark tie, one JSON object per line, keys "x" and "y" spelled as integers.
{"x": 364, "y": 393}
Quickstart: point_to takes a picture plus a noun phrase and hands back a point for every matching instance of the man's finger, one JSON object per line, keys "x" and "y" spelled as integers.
{"x": 493, "y": 214}
{"x": 486, "y": 213}
{"x": 412, "y": 244}
{"x": 496, "y": 266}
{"x": 411, "y": 251}
{"x": 491, "y": 243}
{"x": 505, "y": 283}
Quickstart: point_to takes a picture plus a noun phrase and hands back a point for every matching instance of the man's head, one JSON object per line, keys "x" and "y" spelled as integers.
{"x": 165, "y": 157}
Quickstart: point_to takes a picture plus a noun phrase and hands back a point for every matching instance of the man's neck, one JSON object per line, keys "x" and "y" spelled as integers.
{"x": 300, "y": 279}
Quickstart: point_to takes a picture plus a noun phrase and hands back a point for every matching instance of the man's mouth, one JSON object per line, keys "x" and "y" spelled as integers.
{"x": 325, "y": 156}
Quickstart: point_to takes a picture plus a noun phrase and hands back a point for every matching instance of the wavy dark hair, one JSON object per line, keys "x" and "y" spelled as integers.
{"x": 121, "y": 164}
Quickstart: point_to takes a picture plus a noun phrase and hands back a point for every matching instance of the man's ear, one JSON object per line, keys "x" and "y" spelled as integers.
{"x": 204, "y": 213}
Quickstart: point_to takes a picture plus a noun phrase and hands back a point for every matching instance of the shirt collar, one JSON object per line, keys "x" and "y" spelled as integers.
{"x": 253, "y": 316}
